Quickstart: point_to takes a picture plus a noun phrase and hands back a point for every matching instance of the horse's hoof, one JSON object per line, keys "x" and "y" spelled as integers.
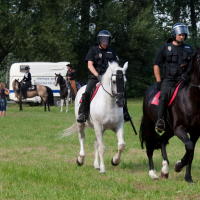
{"x": 113, "y": 163}
{"x": 97, "y": 168}
{"x": 78, "y": 163}
{"x": 189, "y": 179}
{"x": 102, "y": 172}
{"x": 177, "y": 167}
{"x": 164, "y": 176}
{"x": 153, "y": 175}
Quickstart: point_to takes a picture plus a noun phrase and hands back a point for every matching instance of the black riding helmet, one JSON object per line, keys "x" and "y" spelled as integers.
{"x": 27, "y": 68}
{"x": 69, "y": 65}
{"x": 179, "y": 28}
{"x": 104, "y": 37}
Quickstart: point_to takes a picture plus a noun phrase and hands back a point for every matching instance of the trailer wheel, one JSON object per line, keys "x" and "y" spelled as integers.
{"x": 57, "y": 102}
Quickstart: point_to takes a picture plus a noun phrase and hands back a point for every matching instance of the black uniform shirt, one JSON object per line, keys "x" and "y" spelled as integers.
{"x": 27, "y": 77}
{"x": 161, "y": 55}
{"x": 91, "y": 54}
{"x": 71, "y": 74}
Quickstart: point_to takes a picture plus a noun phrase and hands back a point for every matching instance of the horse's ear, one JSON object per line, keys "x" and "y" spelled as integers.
{"x": 55, "y": 73}
{"x": 125, "y": 66}
{"x": 59, "y": 73}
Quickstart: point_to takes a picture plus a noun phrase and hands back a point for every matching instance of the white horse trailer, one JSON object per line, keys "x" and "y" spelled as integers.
{"x": 42, "y": 73}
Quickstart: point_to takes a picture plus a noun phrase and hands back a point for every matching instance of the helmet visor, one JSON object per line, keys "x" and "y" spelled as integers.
{"x": 181, "y": 29}
{"x": 104, "y": 40}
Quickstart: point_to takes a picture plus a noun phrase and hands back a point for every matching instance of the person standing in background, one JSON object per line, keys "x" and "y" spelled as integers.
{"x": 3, "y": 102}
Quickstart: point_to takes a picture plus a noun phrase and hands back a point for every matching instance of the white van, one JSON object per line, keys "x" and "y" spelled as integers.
{"x": 42, "y": 73}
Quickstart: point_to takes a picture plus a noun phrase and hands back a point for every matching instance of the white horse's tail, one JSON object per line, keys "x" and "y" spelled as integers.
{"x": 71, "y": 130}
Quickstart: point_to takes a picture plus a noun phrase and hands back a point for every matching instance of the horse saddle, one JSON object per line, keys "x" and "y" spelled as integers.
{"x": 171, "y": 94}
{"x": 32, "y": 88}
{"x": 93, "y": 92}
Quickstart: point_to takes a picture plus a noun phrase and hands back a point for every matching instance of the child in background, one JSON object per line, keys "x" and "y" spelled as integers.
{"x": 3, "y": 102}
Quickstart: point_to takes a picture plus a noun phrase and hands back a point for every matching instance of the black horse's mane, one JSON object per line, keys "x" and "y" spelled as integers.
{"x": 187, "y": 73}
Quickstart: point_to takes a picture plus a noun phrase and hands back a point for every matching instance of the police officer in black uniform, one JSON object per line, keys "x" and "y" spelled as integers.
{"x": 26, "y": 82}
{"x": 97, "y": 59}
{"x": 175, "y": 57}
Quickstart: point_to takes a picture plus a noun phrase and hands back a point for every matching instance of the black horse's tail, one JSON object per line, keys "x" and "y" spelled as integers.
{"x": 50, "y": 96}
{"x": 154, "y": 137}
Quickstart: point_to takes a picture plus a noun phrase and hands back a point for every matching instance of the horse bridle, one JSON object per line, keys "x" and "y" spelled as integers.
{"x": 63, "y": 80}
{"x": 114, "y": 95}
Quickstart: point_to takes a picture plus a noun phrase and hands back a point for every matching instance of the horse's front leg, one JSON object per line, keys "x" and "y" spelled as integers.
{"x": 20, "y": 102}
{"x": 121, "y": 145}
{"x": 81, "y": 135}
{"x": 101, "y": 147}
{"x": 189, "y": 146}
{"x": 96, "y": 160}
{"x": 188, "y": 177}
{"x": 67, "y": 100}
{"x": 165, "y": 164}
{"x": 61, "y": 104}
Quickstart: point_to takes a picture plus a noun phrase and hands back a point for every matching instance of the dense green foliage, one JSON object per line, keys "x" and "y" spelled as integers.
{"x": 64, "y": 30}
{"x": 36, "y": 164}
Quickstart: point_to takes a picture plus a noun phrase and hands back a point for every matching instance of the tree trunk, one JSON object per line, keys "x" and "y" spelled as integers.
{"x": 176, "y": 13}
{"x": 193, "y": 18}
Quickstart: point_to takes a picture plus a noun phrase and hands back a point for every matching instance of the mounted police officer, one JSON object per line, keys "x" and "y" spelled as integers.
{"x": 97, "y": 59}
{"x": 175, "y": 57}
{"x": 26, "y": 82}
{"x": 71, "y": 75}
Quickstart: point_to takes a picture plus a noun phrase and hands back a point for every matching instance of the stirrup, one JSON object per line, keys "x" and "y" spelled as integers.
{"x": 159, "y": 129}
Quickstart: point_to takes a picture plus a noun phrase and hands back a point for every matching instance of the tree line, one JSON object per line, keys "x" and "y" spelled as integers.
{"x": 64, "y": 30}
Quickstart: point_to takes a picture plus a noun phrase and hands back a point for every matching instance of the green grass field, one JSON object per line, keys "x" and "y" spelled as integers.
{"x": 36, "y": 164}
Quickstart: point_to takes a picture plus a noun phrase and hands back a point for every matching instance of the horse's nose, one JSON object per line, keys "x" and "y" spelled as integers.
{"x": 119, "y": 102}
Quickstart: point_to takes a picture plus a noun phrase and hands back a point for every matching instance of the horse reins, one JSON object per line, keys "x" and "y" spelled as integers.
{"x": 113, "y": 95}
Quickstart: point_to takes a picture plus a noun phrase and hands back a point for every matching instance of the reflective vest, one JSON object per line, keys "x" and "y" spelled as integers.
{"x": 101, "y": 61}
{"x": 175, "y": 59}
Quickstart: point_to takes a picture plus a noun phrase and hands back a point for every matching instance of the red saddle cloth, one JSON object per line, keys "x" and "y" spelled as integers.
{"x": 92, "y": 93}
{"x": 155, "y": 100}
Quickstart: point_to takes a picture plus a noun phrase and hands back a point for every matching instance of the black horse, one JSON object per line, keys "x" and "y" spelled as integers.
{"x": 66, "y": 92}
{"x": 184, "y": 115}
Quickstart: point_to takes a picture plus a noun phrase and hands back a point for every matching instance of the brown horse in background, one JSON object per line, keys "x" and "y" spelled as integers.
{"x": 44, "y": 92}
{"x": 184, "y": 114}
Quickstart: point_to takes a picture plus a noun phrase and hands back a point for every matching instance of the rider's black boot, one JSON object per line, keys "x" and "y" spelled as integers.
{"x": 127, "y": 117}
{"x": 84, "y": 108}
{"x": 160, "y": 124}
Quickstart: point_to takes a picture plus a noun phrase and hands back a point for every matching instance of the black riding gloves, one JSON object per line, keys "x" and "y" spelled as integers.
{"x": 159, "y": 85}
{"x": 99, "y": 77}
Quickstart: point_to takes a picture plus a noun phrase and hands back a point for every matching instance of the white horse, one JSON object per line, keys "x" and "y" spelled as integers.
{"x": 106, "y": 112}
{"x": 64, "y": 90}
